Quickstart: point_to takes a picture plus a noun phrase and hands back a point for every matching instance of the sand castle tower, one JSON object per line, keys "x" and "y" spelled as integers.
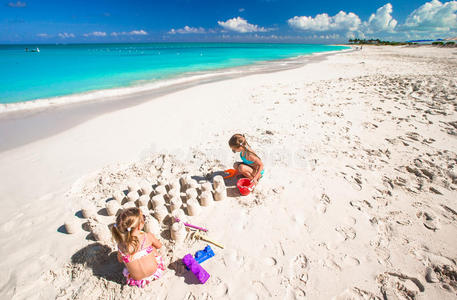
{"x": 160, "y": 189}
{"x": 220, "y": 191}
{"x": 178, "y": 232}
{"x": 157, "y": 200}
{"x": 175, "y": 203}
{"x": 206, "y": 187}
{"x": 193, "y": 207}
{"x": 146, "y": 189}
{"x": 206, "y": 198}
{"x": 132, "y": 196}
{"x": 191, "y": 193}
{"x": 178, "y": 214}
{"x": 160, "y": 213}
{"x": 192, "y": 184}
{"x": 174, "y": 184}
{"x": 100, "y": 232}
{"x": 152, "y": 225}
{"x": 185, "y": 179}
{"x": 72, "y": 226}
{"x": 88, "y": 211}
{"x": 143, "y": 200}
{"x": 119, "y": 197}
{"x": 133, "y": 187}
{"x": 174, "y": 192}
{"x": 112, "y": 207}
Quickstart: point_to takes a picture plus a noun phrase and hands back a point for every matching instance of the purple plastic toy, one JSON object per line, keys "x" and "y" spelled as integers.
{"x": 195, "y": 267}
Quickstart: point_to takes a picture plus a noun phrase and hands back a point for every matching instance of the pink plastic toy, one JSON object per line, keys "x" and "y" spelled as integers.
{"x": 195, "y": 267}
{"x": 192, "y": 226}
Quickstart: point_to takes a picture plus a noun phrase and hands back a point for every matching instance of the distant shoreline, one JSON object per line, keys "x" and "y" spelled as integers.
{"x": 25, "y": 122}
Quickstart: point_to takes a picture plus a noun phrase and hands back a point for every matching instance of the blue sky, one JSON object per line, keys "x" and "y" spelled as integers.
{"x": 325, "y": 21}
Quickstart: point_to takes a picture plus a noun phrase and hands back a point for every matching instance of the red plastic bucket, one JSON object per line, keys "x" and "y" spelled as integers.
{"x": 243, "y": 186}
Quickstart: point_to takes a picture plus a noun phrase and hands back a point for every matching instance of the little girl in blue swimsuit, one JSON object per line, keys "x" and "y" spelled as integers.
{"x": 251, "y": 166}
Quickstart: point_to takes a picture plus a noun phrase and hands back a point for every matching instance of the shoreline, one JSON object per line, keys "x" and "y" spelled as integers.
{"x": 358, "y": 201}
{"x": 146, "y": 85}
{"x": 33, "y": 120}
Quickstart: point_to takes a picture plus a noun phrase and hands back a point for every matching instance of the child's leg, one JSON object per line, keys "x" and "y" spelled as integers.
{"x": 245, "y": 170}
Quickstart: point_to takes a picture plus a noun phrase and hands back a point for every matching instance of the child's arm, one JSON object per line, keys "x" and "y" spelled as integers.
{"x": 155, "y": 241}
{"x": 258, "y": 167}
{"x": 119, "y": 258}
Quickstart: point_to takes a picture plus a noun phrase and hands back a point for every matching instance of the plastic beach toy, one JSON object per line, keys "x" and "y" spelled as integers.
{"x": 231, "y": 173}
{"x": 195, "y": 268}
{"x": 244, "y": 185}
{"x": 202, "y": 255}
{"x": 192, "y": 226}
{"x": 202, "y": 237}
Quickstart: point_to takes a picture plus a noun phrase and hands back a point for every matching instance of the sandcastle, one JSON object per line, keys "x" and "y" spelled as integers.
{"x": 133, "y": 196}
{"x": 185, "y": 179}
{"x": 112, "y": 207}
{"x": 218, "y": 181}
{"x": 119, "y": 197}
{"x": 160, "y": 189}
{"x": 143, "y": 200}
{"x": 174, "y": 184}
{"x": 178, "y": 232}
{"x": 174, "y": 192}
{"x": 191, "y": 193}
{"x": 88, "y": 211}
{"x": 152, "y": 226}
{"x": 100, "y": 232}
{"x": 178, "y": 214}
{"x": 160, "y": 213}
{"x": 133, "y": 187}
{"x": 220, "y": 191}
{"x": 192, "y": 184}
{"x": 157, "y": 200}
{"x": 206, "y": 198}
{"x": 146, "y": 189}
{"x": 193, "y": 207}
{"x": 175, "y": 203}
{"x": 206, "y": 187}
{"x": 72, "y": 226}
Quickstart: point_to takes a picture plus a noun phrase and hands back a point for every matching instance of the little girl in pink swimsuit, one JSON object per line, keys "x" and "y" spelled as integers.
{"x": 137, "y": 249}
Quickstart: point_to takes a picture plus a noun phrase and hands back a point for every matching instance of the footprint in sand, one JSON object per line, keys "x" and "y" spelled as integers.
{"x": 298, "y": 272}
{"x": 356, "y": 294}
{"x": 221, "y": 289}
{"x": 397, "y": 285}
{"x": 347, "y": 232}
{"x": 324, "y": 201}
{"x": 429, "y": 220}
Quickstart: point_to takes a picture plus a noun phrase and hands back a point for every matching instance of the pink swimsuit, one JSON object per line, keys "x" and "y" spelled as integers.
{"x": 141, "y": 253}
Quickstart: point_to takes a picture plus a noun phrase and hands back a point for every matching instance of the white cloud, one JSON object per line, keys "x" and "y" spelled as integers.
{"x": 342, "y": 21}
{"x": 433, "y": 16}
{"x": 188, "y": 29}
{"x": 241, "y": 25}
{"x": 95, "y": 33}
{"x": 241, "y": 9}
{"x": 382, "y": 20}
{"x": 42, "y": 35}
{"x": 65, "y": 35}
{"x": 17, "y": 4}
{"x": 138, "y": 32}
{"x": 133, "y": 32}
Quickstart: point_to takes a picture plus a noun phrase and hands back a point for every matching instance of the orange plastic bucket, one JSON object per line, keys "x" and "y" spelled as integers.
{"x": 243, "y": 186}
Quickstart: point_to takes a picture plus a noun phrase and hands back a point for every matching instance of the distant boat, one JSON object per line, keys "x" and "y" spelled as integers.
{"x": 32, "y": 50}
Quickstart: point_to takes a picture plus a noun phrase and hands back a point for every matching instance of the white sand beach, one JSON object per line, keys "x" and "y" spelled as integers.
{"x": 358, "y": 200}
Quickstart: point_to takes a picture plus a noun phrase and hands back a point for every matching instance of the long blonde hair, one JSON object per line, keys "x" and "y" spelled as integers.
{"x": 122, "y": 230}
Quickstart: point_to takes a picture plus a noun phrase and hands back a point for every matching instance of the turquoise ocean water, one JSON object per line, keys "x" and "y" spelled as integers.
{"x": 60, "y": 70}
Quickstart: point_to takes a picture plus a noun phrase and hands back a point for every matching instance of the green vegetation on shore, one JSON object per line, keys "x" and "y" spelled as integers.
{"x": 380, "y": 42}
